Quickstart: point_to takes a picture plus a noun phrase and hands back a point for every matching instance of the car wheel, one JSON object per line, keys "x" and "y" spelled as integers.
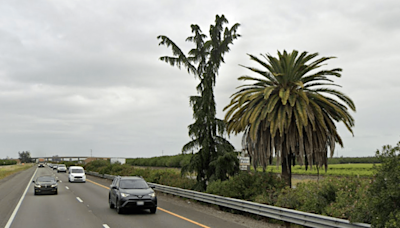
{"x": 118, "y": 207}
{"x": 112, "y": 206}
{"x": 56, "y": 192}
{"x": 153, "y": 210}
{"x": 35, "y": 193}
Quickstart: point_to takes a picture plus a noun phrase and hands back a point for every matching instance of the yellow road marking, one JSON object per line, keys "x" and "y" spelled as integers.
{"x": 97, "y": 184}
{"x": 181, "y": 217}
{"x": 171, "y": 213}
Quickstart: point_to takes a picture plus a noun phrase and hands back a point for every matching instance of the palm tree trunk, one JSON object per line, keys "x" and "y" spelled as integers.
{"x": 286, "y": 167}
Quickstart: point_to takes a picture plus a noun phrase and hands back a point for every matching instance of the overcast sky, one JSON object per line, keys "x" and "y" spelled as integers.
{"x": 83, "y": 77}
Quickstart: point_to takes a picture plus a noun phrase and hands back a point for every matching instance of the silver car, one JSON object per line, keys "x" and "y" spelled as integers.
{"x": 61, "y": 168}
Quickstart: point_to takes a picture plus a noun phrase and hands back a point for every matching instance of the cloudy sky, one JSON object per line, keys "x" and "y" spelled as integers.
{"x": 83, "y": 77}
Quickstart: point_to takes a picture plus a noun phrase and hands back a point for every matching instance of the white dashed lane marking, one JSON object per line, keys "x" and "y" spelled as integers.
{"x": 79, "y": 199}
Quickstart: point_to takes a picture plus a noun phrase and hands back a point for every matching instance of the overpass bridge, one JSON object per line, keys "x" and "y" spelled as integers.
{"x": 67, "y": 158}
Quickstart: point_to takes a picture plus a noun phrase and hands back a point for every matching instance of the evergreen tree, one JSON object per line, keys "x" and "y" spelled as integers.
{"x": 25, "y": 156}
{"x": 207, "y": 131}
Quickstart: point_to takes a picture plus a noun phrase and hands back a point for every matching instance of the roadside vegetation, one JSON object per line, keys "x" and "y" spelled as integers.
{"x": 334, "y": 195}
{"x": 70, "y": 163}
{"x": 169, "y": 177}
{"x": 7, "y": 162}
{"x": 366, "y": 193}
{"x": 175, "y": 161}
{"x": 8, "y": 170}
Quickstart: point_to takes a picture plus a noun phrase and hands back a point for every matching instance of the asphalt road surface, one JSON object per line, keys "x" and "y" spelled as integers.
{"x": 86, "y": 205}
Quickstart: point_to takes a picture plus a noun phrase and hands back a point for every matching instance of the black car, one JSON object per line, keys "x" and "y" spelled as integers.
{"x": 131, "y": 192}
{"x": 45, "y": 185}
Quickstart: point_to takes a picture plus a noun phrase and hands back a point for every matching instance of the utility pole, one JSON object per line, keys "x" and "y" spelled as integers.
{"x": 91, "y": 154}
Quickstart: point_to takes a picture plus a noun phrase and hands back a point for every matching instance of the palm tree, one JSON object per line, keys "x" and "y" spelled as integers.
{"x": 215, "y": 158}
{"x": 290, "y": 111}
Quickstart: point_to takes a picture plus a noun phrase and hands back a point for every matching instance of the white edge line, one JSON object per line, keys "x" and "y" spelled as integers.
{"x": 105, "y": 226}
{"x": 19, "y": 203}
{"x": 79, "y": 199}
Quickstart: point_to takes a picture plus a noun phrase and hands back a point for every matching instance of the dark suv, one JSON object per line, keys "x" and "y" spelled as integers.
{"x": 131, "y": 192}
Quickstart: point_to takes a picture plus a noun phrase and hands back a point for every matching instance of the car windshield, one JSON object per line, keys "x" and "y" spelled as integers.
{"x": 133, "y": 184}
{"x": 61, "y": 165}
{"x": 77, "y": 171}
{"x": 45, "y": 179}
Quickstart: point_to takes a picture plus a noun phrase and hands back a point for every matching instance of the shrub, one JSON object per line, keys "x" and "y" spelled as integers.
{"x": 176, "y": 161}
{"x": 350, "y": 194}
{"x": 305, "y": 197}
{"x": 247, "y": 186}
{"x": 158, "y": 176}
{"x": 382, "y": 208}
{"x": 335, "y": 197}
{"x": 7, "y": 162}
{"x": 69, "y": 163}
{"x": 96, "y": 165}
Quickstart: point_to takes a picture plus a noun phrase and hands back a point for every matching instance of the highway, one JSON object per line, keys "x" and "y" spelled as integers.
{"x": 86, "y": 205}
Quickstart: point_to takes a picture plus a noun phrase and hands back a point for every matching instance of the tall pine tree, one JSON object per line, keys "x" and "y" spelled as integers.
{"x": 215, "y": 157}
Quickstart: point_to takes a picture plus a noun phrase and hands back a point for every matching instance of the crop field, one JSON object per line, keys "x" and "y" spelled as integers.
{"x": 11, "y": 169}
{"x": 361, "y": 170}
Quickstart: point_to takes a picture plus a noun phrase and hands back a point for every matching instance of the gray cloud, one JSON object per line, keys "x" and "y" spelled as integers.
{"x": 85, "y": 75}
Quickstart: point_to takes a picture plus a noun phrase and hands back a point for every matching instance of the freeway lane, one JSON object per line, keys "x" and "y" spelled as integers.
{"x": 86, "y": 205}
{"x": 95, "y": 198}
{"x": 62, "y": 210}
{"x": 11, "y": 189}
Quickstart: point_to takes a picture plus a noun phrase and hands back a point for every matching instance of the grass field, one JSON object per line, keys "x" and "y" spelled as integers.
{"x": 11, "y": 169}
{"x": 361, "y": 170}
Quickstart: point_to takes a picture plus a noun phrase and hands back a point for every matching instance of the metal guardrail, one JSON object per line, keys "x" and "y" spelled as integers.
{"x": 278, "y": 213}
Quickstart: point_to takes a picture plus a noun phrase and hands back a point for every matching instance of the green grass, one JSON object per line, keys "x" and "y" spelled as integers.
{"x": 11, "y": 169}
{"x": 363, "y": 170}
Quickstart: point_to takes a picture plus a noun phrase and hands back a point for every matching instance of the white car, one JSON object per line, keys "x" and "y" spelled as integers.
{"x": 61, "y": 168}
{"x": 76, "y": 174}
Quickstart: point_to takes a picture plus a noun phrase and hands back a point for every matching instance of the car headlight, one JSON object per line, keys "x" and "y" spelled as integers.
{"x": 54, "y": 185}
{"x": 37, "y": 186}
{"x": 124, "y": 194}
{"x": 152, "y": 194}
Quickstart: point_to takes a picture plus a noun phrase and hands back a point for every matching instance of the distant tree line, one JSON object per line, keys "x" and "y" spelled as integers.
{"x": 346, "y": 160}
{"x": 7, "y": 162}
{"x": 175, "y": 161}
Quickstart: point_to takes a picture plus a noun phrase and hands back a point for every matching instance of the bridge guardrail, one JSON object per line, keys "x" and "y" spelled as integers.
{"x": 278, "y": 213}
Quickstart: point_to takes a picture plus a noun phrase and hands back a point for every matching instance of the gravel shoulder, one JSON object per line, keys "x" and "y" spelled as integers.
{"x": 215, "y": 211}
